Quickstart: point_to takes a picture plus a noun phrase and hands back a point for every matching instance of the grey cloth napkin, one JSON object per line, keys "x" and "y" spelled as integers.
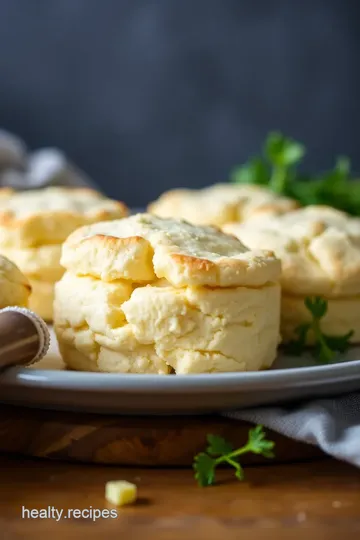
{"x": 331, "y": 424}
{"x": 24, "y": 170}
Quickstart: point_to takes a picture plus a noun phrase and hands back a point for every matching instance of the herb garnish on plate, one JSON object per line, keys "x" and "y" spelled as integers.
{"x": 325, "y": 346}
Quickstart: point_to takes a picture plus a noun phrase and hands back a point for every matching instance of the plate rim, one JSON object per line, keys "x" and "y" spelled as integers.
{"x": 204, "y": 382}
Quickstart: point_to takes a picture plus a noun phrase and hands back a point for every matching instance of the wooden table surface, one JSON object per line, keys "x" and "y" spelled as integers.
{"x": 320, "y": 498}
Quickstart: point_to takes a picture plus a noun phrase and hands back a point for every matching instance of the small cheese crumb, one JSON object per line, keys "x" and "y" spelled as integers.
{"x": 120, "y": 492}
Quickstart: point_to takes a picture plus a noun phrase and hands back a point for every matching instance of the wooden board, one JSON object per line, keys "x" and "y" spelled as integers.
{"x": 316, "y": 500}
{"x": 148, "y": 441}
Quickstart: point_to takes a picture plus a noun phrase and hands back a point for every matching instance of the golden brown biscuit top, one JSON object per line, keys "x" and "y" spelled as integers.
{"x": 221, "y": 203}
{"x": 48, "y": 216}
{"x": 144, "y": 248}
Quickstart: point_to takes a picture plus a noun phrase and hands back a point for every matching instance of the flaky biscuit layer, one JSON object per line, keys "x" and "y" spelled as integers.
{"x": 144, "y": 248}
{"x": 123, "y": 327}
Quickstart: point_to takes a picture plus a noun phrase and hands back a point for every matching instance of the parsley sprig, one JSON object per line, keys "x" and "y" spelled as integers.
{"x": 278, "y": 168}
{"x": 275, "y": 167}
{"x": 220, "y": 451}
{"x": 283, "y": 154}
{"x": 326, "y": 346}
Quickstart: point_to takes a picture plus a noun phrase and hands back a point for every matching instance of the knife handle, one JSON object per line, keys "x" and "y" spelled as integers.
{"x": 24, "y": 337}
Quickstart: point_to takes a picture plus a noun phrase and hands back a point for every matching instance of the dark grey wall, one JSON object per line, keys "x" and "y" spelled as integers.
{"x": 147, "y": 95}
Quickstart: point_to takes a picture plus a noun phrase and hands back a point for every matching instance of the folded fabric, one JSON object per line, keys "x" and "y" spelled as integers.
{"x": 20, "y": 169}
{"x": 331, "y": 424}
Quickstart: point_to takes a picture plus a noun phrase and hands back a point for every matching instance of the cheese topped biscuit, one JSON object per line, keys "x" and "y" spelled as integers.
{"x": 144, "y": 248}
{"x": 48, "y": 216}
{"x": 319, "y": 248}
{"x": 221, "y": 203}
{"x": 15, "y": 289}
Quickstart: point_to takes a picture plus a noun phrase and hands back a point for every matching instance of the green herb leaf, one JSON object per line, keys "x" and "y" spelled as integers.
{"x": 218, "y": 445}
{"x": 239, "y": 471}
{"x": 283, "y": 151}
{"x": 205, "y": 464}
{"x": 339, "y": 343}
{"x": 333, "y": 188}
{"x": 254, "y": 171}
{"x": 325, "y": 346}
{"x": 297, "y": 346}
{"x": 323, "y": 352}
{"x": 204, "y": 467}
{"x": 258, "y": 443}
{"x": 305, "y": 191}
{"x": 278, "y": 169}
{"x": 317, "y": 306}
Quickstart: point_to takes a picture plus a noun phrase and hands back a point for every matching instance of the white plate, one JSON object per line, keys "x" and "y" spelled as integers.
{"x": 49, "y": 385}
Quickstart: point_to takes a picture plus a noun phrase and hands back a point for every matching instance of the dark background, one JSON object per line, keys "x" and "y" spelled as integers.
{"x": 146, "y": 95}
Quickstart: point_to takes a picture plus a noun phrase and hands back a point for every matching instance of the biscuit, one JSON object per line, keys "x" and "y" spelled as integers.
{"x": 142, "y": 248}
{"x": 15, "y": 289}
{"x": 158, "y": 327}
{"x": 33, "y": 225}
{"x": 319, "y": 248}
{"x": 39, "y": 263}
{"x": 48, "y": 216}
{"x": 42, "y": 298}
{"x": 220, "y": 203}
{"x": 152, "y": 295}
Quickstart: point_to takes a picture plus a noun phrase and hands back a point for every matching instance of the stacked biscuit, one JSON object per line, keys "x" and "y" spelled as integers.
{"x": 220, "y": 204}
{"x": 33, "y": 226}
{"x": 320, "y": 252}
{"x": 151, "y": 295}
